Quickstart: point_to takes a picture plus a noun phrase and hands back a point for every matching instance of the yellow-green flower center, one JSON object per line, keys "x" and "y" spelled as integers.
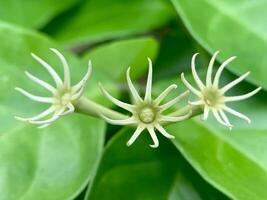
{"x": 147, "y": 115}
{"x": 63, "y": 98}
{"x": 212, "y": 96}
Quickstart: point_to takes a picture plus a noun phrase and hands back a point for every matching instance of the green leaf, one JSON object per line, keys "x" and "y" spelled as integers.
{"x": 140, "y": 172}
{"x": 52, "y": 163}
{"x": 31, "y": 13}
{"x": 110, "y": 62}
{"x": 232, "y": 161}
{"x": 113, "y": 59}
{"x": 98, "y": 20}
{"x": 235, "y": 28}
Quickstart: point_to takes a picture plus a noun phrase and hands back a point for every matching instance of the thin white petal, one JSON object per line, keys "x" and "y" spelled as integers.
{"x": 149, "y": 82}
{"x": 238, "y": 114}
{"x": 209, "y": 71}
{"x": 46, "y": 123}
{"x": 194, "y": 72}
{"x": 175, "y": 118}
{"x": 135, "y": 135}
{"x": 218, "y": 118}
{"x": 206, "y": 113}
{"x": 154, "y": 137}
{"x": 41, "y": 115}
{"x": 234, "y": 82}
{"x": 225, "y": 118}
{"x": 82, "y": 83}
{"x": 64, "y": 62}
{"x": 173, "y": 101}
{"x": 133, "y": 91}
{"x": 49, "y": 121}
{"x": 220, "y": 70}
{"x": 196, "y": 103}
{"x": 158, "y": 100}
{"x": 35, "y": 98}
{"x": 127, "y": 121}
{"x": 117, "y": 102}
{"x": 70, "y": 110}
{"x": 164, "y": 132}
{"x": 242, "y": 97}
{"x": 77, "y": 95}
{"x": 41, "y": 82}
{"x": 51, "y": 71}
{"x": 189, "y": 86}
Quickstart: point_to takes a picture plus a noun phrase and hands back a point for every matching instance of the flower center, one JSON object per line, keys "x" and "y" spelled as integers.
{"x": 147, "y": 115}
{"x": 212, "y": 96}
{"x": 62, "y": 98}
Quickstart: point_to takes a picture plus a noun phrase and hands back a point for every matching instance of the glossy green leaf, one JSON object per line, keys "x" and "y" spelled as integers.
{"x": 233, "y": 27}
{"x": 31, "y": 13}
{"x": 111, "y": 61}
{"x": 98, "y": 20}
{"x": 140, "y": 172}
{"x": 232, "y": 161}
{"x": 52, "y": 163}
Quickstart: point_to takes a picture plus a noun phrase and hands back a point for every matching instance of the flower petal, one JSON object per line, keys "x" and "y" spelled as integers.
{"x": 218, "y": 118}
{"x": 173, "y": 101}
{"x": 149, "y": 82}
{"x": 225, "y": 118}
{"x": 220, "y": 70}
{"x": 70, "y": 110}
{"x": 237, "y": 114}
{"x": 41, "y": 82}
{"x": 234, "y": 82}
{"x": 37, "y": 117}
{"x": 135, "y": 135}
{"x": 154, "y": 137}
{"x": 127, "y": 121}
{"x": 175, "y": 118}
{"x": 158, "y": 100}
{"x": 242, "y": 97}
{"x": 189, "y": 86}
{"x": 133, "y": 91}
{"x": 35, "y": 98}
{"x": 209, "y": 71}
{"x": 194, "y": 72}
{"x": 164, "y": 132}
{"x": 82, "y": 83}
{"x": 116, "y": 101}
{"x": 65, "y": 66}
{"x": 206, "y": 112}
{"x": 51, "y": 71}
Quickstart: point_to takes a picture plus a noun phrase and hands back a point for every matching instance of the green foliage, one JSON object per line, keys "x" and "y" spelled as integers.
{"x": 98, "y": 20}
{"x": 235, "y": 28}
{"x": 31, "y": 13}
{"x": 80, "y": 157}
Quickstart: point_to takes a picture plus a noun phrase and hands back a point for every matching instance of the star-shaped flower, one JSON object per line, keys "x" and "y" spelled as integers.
{"x": 147, "y": 113}
{"x": 63, "y": 95}
{"x": 213, "y": 98}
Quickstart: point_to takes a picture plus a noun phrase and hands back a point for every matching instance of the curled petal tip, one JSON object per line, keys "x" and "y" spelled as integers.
{"x": 154, "y": 146}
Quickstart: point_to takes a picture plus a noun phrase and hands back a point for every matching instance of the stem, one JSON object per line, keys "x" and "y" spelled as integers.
{"x": 196, "y": 110}
{"x": 88, "y": 107}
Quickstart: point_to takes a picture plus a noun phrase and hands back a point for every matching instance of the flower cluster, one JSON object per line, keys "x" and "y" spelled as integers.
{"x": 212, "y": 97}
{"x": 63, "y": 95}
{"x": 147, "y": 113}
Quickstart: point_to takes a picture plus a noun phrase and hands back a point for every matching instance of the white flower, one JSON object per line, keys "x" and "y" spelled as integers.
{"x": 147, "y": 113}
{"x": 213, "y": 98}
{"x": 63, "y": 95}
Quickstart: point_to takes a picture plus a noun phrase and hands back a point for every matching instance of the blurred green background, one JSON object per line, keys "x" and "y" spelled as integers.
{"x": 80, "y": 157}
